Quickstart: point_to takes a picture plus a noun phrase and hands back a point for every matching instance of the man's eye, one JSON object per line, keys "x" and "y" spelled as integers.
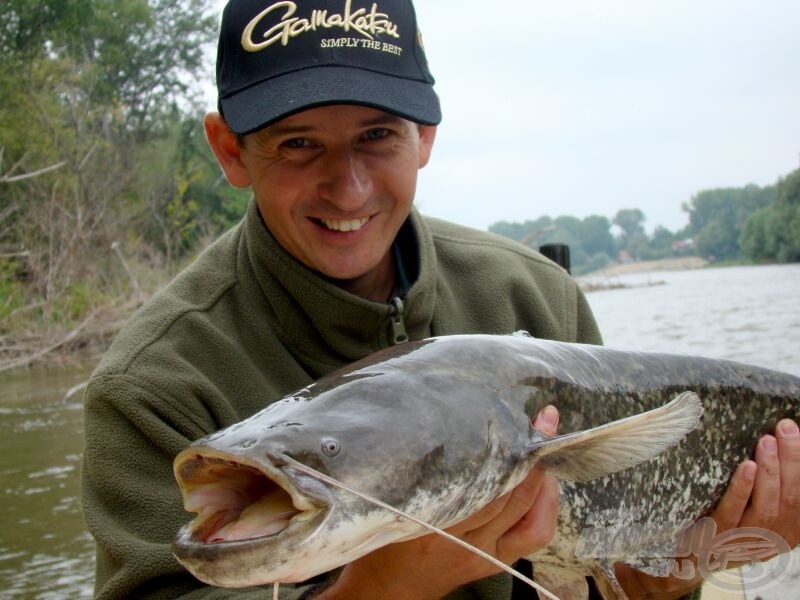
{"x": 377, "y": 134}
{"x": 295, "y": 143}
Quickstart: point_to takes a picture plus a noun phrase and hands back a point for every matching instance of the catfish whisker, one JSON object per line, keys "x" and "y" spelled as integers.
{"x": 496, "y": 562}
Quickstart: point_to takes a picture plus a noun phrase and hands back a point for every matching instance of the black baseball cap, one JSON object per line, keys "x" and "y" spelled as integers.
{"x": 277, "y": 58}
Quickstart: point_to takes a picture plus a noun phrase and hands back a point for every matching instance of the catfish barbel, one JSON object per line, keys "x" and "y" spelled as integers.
{"x": 440, "y": 427}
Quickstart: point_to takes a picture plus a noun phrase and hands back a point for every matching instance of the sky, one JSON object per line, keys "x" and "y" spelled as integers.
{"x": 581, "y": 107}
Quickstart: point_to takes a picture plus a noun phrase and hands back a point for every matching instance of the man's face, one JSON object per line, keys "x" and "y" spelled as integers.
{"x": 334, "y": 184}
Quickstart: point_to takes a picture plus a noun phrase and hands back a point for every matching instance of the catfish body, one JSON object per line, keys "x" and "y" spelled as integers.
{"x": 440, "y": 427}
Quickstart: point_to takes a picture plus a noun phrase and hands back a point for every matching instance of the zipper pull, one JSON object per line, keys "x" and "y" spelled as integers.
{"x": 397, "y": 325}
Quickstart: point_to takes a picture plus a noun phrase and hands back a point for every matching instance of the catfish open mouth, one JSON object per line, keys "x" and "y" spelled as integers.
{"x": 235, "y": 501}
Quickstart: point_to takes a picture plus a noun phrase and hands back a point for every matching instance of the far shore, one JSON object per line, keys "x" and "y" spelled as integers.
{"x": 646, "y": 266}
{"x": 604, "y": 279}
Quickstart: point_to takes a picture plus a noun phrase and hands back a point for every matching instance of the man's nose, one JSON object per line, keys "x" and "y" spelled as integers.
{"x": 346, "y": 181}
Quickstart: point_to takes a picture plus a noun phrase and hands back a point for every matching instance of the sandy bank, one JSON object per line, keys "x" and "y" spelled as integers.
{"x": 646, "y": 266}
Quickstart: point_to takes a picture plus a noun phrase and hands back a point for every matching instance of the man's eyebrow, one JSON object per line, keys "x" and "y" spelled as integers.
{"x": 280, "y": 129}
{"x": 384, "y": 119}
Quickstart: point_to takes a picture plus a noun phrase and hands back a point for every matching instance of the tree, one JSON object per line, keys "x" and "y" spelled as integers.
{"x": 589, "y": 239}
{"x": 633, "y": 239}
{"x": 773, "y": 232}
{"x": 596, "y": 236}
{"x": 630, "y": 220}
{"x": 717, "y": 218}
{"x": 91, "y": 89}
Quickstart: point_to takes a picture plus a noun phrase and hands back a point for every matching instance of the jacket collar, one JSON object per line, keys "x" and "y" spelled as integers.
{"x": 323, "y": 326}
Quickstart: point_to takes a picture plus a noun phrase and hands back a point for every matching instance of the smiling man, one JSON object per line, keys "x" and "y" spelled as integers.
{"x": 327, "y": 112}
{"x": 333, "y": 185}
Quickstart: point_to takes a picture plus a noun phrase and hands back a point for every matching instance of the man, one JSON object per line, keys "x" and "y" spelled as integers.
{"x": 327, "y": 111}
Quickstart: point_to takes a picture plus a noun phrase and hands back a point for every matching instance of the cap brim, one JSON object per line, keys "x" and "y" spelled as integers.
{"x": 264, "y": 103}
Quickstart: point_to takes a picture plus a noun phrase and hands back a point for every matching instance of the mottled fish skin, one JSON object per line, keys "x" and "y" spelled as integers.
{"x": 463, "y": 434}
{"x": 597, "y": 384}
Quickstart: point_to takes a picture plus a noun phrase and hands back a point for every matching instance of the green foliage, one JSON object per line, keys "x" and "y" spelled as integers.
{"x": 590, "y": 240}
{"x": 772, "y": 233}
{"x": 631, "y": 221}
{"x": 730, "y": 224}
{"x": 717, "y": 218}
{"x": 98, "y": 109}
{"x": 596, "y": 262}
{"x": 11, "y": 290}
{"x": 596, "y": 238}
{"x": 135, "y": 56}
{"x": 659, "y": 245}
{"x": 529, "y": 232}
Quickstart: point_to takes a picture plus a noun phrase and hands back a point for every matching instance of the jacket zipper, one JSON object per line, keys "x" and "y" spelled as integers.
{"x": 397, "y": 327}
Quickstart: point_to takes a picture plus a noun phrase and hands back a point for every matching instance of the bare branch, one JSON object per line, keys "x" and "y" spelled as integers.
{"x": 88, "y": 155}
{"x": 26, "y": 360}
{"x": 136, "y": 289}
{"x": 74, "y": 390}
{"x": 8, "y": 211}
{"x": 12, "y": 179}
{"x": 22, "y": 309}
{"x": 16, "y": 164}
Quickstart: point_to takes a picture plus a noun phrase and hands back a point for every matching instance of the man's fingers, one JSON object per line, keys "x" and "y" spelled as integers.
{"x": 525, "y": 494}
{"x": 486, "y": 527}
{"x": 765, "y": 500}
{"x": 536, "y": 528}
{"x": 519, "y": 503}
{"x": 482, "y": 517}
{"x": 788, "y": 436}
{"x": 501, "y": 513}
{"x": 733, "y": 503}
{"x": 547, "y": 420}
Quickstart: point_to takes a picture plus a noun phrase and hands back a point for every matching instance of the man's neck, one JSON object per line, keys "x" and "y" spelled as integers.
{"x": 378, "y": 285}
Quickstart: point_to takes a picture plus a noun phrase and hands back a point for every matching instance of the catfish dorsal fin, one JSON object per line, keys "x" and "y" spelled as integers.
{"x": 590, "y": 454}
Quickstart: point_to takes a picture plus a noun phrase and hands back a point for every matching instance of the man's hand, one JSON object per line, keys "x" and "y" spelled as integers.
{"x": 511, "y": 526}
{"x": 764, "y": 493}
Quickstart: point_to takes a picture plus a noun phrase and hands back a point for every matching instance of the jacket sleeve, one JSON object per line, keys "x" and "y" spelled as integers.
{"x": 131, "y": 502}
{"x": 587, "y": 331}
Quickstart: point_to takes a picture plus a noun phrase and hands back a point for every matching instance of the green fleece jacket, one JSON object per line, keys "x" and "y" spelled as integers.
{"x": 244, "y": 325}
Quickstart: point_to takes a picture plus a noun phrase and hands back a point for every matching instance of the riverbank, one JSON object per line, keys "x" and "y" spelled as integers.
{"x": 605, "y": 279}
{"x": 683, "y": 263}
{"x": 73, "y": 344}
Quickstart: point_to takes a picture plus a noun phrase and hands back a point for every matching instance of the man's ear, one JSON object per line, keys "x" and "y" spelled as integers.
{"x": 427, "y": 135}
{"x": 227, "y": 149}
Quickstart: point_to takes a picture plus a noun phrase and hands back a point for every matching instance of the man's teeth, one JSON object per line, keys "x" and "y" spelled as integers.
{"x": 351, "y": 225}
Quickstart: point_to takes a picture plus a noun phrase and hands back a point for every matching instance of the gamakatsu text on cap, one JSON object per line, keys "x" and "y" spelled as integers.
{"x": 367, "y": 24}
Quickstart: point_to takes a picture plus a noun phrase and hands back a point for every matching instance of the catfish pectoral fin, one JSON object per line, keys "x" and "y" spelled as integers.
{"x": 564, "y": 583}
{"x": 587, "y": 455}
{"x": 607, "y": 583}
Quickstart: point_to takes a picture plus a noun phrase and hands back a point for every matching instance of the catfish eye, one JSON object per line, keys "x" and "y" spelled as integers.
{"x": 330, "y": 447}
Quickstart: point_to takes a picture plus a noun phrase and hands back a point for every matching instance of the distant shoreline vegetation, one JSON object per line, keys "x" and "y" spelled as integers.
{"x": 750, "y": 224}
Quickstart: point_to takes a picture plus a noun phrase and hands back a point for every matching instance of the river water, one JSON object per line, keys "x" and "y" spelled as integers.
{"x": 741, "y": 313}
{"x": 45, "y": 551}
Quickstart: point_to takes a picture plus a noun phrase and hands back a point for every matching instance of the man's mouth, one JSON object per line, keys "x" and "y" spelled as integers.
{"x": 344, "y": 225}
